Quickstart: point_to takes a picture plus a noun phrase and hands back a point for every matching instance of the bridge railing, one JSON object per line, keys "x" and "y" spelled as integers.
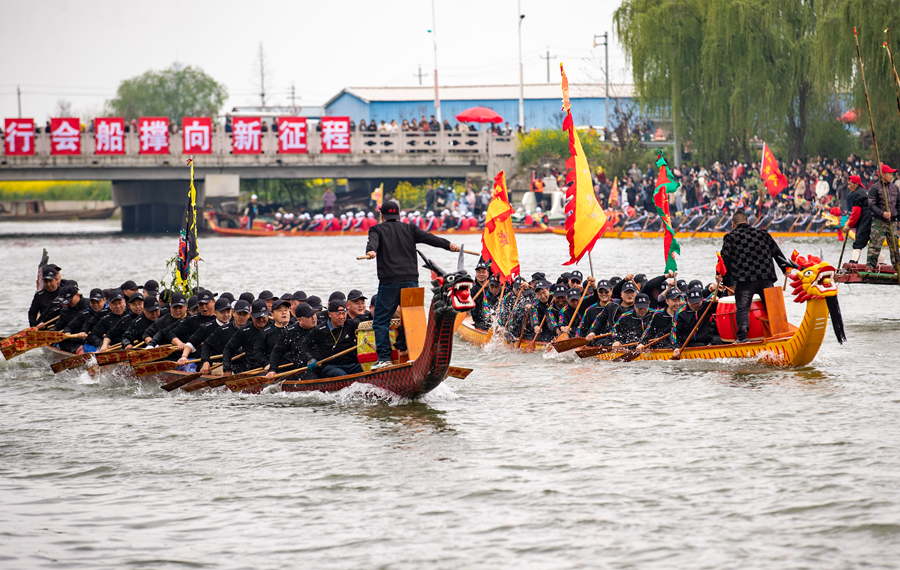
{"x": 444, "y": 142}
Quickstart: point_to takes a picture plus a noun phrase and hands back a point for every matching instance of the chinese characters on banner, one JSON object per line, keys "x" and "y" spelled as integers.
{"x": 154, "y": 135}
{"x": 197, "y": 135}
{"x": 19, "y": 136}
{"x": 246, "y": 133}
{"x": 65, "y": 136}
{"x": 292, "y": 135}
{"x": 335, "y": 135}
{"x": 109, "y": 135}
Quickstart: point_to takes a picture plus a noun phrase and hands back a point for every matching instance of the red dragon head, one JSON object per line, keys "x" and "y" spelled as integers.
{"x": 814, "y": 279}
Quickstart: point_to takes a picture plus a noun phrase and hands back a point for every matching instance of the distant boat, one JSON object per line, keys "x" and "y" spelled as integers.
{"x": 36, "y": 211}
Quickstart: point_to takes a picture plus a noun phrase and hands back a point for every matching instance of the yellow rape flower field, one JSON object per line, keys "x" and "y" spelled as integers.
{"x": 56, "y": 190}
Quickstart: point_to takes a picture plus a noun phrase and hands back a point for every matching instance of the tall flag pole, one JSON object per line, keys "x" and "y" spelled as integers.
{"x": 585, "y": 219}
{"x": 187, "y": 240}
{"x": 498, "y": 242}
{"x": 665, "y": 185}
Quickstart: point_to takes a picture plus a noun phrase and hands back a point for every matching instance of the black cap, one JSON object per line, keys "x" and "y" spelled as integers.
{"x": 96, "y": 294}
{"x": 642, "y": 301}
{"x": 204, "y": 297}
{"x": 303, "y": 310}
{"x": 193, "y": 302}
{"x": 150, "y": 303}
{"x": 615, "y": 280}
{"x": 247, "y": 296}
{"x": 482, "y": 264}
{"x": 165, "y": 296}
{"x": 177, "y": 300}
{"x": 577, "y": 275}
{"x": 299, "y": 296}
{"x": 136, "y": 297}
{"x": 695, "y": 284}
{"x": 266, "y": 296}
{"x": 629, "y": 286}
{"x": 682, "y": 284}
{"x": 115, "y": 295}
{"x": 541, "y": 284}
{"x": 573, "y": 294}
{"x": 65, "y": 294}
{"x": 640, "y": 278}
{"x": 559, "y": 290}
{"x": 564, "y": 276}
{"x": 336, "y": 305}
{"x": 672, "y": 293}
{"x": 390, "y": 210}
{"x": 695, "y": 296}
{"x": 49, "y": 272}
{"x": 315, "y": 303}
{"x": 355, "y": 295}
{"x": 128, "y": 285}
{"x": 539, "y": 276}
{"x": 222, "y": 304}
{"x": 283, "y": 300}
{"x": 151, "y": 287}
{"x": 337, "y": 295}
{"x": 259, "y": 309}
{"x": 241, "y": 306}
{"x": 604, "y": 284}
{"x": 227, "y": 295}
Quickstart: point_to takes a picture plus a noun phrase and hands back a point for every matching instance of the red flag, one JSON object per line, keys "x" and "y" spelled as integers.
{"x": 772, "y": 177}
{"x": 720, "y": 265}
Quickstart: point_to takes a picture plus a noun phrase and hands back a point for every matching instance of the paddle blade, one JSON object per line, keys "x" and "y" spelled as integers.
{"x": 113, "y": 357}
{"x": 459, "y": 372}
{"x": 627, "y": 356}
{"x": 45, "y": 337}
{"x": 71, "y": 362}
{"x": 143, "y": 356}
{"x": 247, "y": 383}
{"x": 179, "y": 382}
{"x": 154, "y": 367}
{"x": 193, "y": 386}
{"x": 11, "y": 340}
{"x": 590, "y": 351}
{"x": 569, "y": 344}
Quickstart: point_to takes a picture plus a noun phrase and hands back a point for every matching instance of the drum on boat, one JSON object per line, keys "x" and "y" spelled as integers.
{"x": 727, "y": 323}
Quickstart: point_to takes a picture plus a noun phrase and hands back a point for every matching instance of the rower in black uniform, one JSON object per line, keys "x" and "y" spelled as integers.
{"x": 290, "y": 346}
{"x": 43, "y": 304}
{"x": 271, "y": 334}
{"x": 630, "y": 326}
{"x": 117, "y": 306}
{"x": 607, "y": 318}
{"x": 603, "y": 298}
{"x": 244, "y": 340}
{"x": 689, "y": 317}
{"x": 540, "y": 312}
{"x": 116, "y": 334}
{"x": 214, "y": 344}
{"x": 135, "y": 333}
{"x": 662, "y": 323}
{"x": 194, "y": 344}
{"x": 177, "y": 311}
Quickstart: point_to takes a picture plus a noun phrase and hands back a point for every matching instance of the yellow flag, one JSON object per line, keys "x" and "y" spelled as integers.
{"x": 377, "y": 195}
{"x": 585, "y": 219}
{"x": 498, "y": 242}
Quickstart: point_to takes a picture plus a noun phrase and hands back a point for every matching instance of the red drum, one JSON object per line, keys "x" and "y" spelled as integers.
{"x": 727, "y": 325}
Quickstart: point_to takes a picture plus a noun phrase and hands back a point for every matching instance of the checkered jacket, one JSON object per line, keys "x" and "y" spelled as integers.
{"x": 748, "y": 254}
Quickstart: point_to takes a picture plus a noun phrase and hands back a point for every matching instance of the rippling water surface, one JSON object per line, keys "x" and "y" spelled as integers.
{"x": 532, "y": 462}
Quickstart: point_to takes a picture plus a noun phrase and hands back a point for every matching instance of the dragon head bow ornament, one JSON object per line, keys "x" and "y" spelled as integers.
{"x": 815, "y": 280}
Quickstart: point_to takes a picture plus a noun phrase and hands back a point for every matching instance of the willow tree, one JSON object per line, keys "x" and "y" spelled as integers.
{"x": 175, "y": 92}
{"x": 838, "y": 56}
{"x": 729, "y": 70}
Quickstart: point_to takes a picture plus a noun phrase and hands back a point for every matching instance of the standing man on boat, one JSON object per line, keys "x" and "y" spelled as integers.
{"x": 860, "y": 216}
{"x": 394, "y": 244}
{"x": 883, "y": 215}
{"x": 748, "y": 254}
{"x": 251, "y": 212}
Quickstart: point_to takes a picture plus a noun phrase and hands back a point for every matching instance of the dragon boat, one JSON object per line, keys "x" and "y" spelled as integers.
{"x": 856, "y": 273}
{"x": 468, "y": 332}
{"x": 430, "y": 343}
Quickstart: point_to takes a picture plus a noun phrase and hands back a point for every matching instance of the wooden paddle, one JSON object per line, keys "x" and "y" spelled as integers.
{"x": 589, "y": 351}
{"x": 568, "y": 344}
{"x": 630, "y": 355}
{"x": 156, "y": 367}
{"x": 565, "y": 336}
{"x": 144, "y": 356}
{"x": 43, "y": 338}
{"x": 179, "y": 382}
{"x": 529, "y": 348}
{"x": 250, "y": 383}
{"x": 694, "y": 330}
{"x": 8, "y": 346}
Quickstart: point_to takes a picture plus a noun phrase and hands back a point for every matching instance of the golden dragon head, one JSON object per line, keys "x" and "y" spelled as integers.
{"x": 814, "y": 279}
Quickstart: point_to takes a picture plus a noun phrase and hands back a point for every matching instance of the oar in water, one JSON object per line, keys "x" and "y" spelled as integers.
{"x": 588, "y": 351}
{"x": 459, "y": 372}
{"x": 15, "y": 344}
{"x": 630, "y": 355}
{"x": 188, "y": 378}
{"x": 529, "y": 348}
{"x": 156, "y": 367}
{"x": 256, "y": 381}
{"x": 568, "y": 344}
{"x": 102, "y": 358}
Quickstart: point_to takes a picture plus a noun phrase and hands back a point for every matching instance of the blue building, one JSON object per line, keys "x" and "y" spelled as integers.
{"x": 542, "y": 103}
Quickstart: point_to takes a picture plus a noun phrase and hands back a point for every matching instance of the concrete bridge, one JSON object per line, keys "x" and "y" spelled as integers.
{"x": 150, "y": 188}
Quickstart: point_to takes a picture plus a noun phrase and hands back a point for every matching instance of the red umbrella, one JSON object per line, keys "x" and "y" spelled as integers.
{"x": 479, "y": 115}
{"x": 849, "y": 116}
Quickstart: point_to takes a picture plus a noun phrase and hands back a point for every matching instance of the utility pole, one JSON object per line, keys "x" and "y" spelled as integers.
{"x": 548, "y": 58}
{"x": 19, "y": 96}
{"x": 521, "y": 74}
{"x": 293, "y": 102}
{"x": 605, "y": 45}
{"x": 420, "y": 74}
{"x": 262, "y": 77}
{"x": 437, "y": 98}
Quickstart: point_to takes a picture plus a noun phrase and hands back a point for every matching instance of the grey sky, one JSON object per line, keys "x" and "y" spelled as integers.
{"x": 81, "y": 50}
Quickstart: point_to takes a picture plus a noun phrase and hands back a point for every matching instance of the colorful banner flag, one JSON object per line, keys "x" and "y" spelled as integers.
{"x": 720, "y": 265}
{"x": 377, "y": 196}
{"x": 585, "y": 219}
{"x": 498, "y": 242}
{"x": 665, "y": 185}
{"x": 772, "y": 177}
{"x": 614, "y": 193}
{"x": 187, "y": 240}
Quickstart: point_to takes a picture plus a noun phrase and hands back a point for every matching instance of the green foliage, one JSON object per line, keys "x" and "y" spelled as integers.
{"x": 541, "y": 145}
{"x": 411, "y": 196}
{"x": 172, "y": 93}
{"x": 291, "y": 193}
{"x": 56, "y": 190}
{"x": 617, "y": 161}
{"x": 170, "y": 281}
{"x": 756, "y": 68}
{"x": 830, "y": 138}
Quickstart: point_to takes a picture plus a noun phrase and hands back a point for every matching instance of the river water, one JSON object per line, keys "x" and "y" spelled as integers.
{"x": 533, "y": 461}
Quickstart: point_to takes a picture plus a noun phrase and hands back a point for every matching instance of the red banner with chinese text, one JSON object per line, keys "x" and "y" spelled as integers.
{"x": 109, "y": 135}
{"x": 65, "y": 136}
{"x": 292, "y": 135}
{"x": 19, "y": 140}
{"x": 335, "y": 135}
{"x": 246, "y": 135}
{"x": 153, "y": 133}
{"x": 197, "y": 135}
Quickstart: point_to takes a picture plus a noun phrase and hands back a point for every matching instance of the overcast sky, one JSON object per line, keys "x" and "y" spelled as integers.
{"x": 80, "y": 50}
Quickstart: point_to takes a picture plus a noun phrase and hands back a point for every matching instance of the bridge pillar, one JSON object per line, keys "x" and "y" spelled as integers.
{"x": 153, "y": 206}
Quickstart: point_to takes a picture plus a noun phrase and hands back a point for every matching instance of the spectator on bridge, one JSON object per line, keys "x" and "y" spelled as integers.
{"x": 352, "y": 126}
{"x": 393, "y": 127}
{"x": 263, "y": 127}
{"x": 424, "y": 126}
{"x": 447, "y": 126}
{"x": 429, "y": 197}
{"x": 47, "y": 128}
{"x": 414, "y": 125}
{"x": 328, "y": 200}
{"x": 372, "y": 126}
{"x": 434, "y": 125}
{"x": 404, "y": 126}
{"x": 382, "y": 128}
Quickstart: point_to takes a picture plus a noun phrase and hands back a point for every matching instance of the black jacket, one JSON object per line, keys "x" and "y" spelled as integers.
{"x": 242, "y": 341}
{"x": 116, "y": 334}
{"x": 84, "y": 321}
{"x": 395, "y": 244}
{"x": 43, "y": 305}
{"x": 876, "y": 200}
{"x": 687, "y": 319}
{"x": 135, "y": 332}
{"x": 323, "y": 342}
{"x": 608, "y": 317}
{"x": 629, "y": 327}
{"x": 67, "y": 314}
{"x": 199, "y": 337}
{"x": 289, "y": 347}
{"x": 162, "y": 323}
{"x": 189, "y": 325}
{"x": 265, "y": 344}
{"x": 660, "y": 324}
{"x": 748, "y": 254}
{"x": 216, "y": 341}
{"x": 95, "y": 337}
